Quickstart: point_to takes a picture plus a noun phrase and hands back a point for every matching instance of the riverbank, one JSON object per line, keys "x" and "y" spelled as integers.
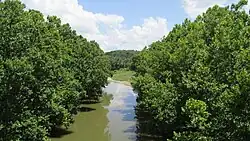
{"x": 123, "y": 76}
{"x": 121, "y": 82}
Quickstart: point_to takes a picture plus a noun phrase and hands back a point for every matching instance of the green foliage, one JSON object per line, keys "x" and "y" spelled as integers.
{"x": 190, "y": 136}
{"x": 45, "y": 70}
{"x": 123, "y": 75}
{"x": 194, "y": 83}
{"x": 120, "y": 59}
{"x": 196, "y": 111}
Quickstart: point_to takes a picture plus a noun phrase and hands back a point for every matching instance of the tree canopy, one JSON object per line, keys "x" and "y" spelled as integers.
{"x": 46, "y": 69}
{"x": 194, "y": 84}
{"x": 120, "y": 59}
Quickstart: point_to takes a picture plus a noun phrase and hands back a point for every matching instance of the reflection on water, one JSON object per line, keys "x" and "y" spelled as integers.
{"x": 121, "y": 113}
{"x": 111, "y": 120}
{"x": 89, "y": 125}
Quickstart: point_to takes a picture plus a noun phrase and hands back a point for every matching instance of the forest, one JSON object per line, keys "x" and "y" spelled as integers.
{"x": 121, "y": 59}
{"x": 194, "y": 84}
{"x": 46, "y": 71}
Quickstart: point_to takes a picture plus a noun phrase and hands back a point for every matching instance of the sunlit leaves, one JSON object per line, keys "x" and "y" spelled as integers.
{"x": 45, "y": 71}
{"x": 206, "y": 62}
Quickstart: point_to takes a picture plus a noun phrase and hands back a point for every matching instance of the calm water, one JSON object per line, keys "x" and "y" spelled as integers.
{"x": 111, "y": 120}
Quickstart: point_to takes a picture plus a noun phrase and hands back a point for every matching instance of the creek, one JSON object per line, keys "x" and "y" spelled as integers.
{"x": 111, "y": 120}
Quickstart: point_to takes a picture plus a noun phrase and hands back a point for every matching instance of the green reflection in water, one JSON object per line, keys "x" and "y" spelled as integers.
{"x": 112, "y": 120}
{"x": 89, "y": 125}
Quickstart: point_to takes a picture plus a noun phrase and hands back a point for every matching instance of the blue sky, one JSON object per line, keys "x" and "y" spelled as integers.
{"x": 123, "y": 24}
{"x": 134, "y": 11}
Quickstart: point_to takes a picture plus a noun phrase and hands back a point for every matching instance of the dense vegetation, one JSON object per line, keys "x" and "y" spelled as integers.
{"x": 120, "y": 59}
{"x": 46, "y": 69}
{"x": 194, "y": 84}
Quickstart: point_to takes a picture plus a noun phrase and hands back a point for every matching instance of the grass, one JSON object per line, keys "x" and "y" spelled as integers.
{"x": 123, "y": 75}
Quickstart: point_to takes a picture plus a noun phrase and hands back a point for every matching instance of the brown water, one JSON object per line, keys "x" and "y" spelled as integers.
{"x": 111, "y": 120}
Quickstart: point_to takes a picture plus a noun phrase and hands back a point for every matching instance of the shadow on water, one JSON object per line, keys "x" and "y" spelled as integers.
{"x": 112, "y": 119}
{"x": 142, "y": 133}
{"x": 132, "y": 124}
{"x": 130, "y": 129}
{"x": 85, "y": 102}
{"x": 142, "y": 136}
{"x": 86, "y": 109}
{"x": 89, "y": 125}
{"x": 59, "y": 132}
{"x": 145, "y": 129}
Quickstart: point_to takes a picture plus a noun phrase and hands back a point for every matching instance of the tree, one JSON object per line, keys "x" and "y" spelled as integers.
{"x": 120, "y": 59}
{"x": 200, "y": 63}
{"x": 45, "y": 71}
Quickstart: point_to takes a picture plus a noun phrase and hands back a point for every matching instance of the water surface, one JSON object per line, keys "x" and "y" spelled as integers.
{"x": 121, "y": 113}
{"x": 107, "y": 121}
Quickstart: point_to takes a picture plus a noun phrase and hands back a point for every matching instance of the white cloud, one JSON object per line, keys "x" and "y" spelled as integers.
{"x": 135, "y": 38}
{"x": 107, "y": 29}
{"x": 195, "y": 7}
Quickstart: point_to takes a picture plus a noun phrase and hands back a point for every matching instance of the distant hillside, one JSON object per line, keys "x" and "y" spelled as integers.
{"x": 121, "y": 58}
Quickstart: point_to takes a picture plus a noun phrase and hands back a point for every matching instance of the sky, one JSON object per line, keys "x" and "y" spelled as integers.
{"x": 123, "y": 24}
